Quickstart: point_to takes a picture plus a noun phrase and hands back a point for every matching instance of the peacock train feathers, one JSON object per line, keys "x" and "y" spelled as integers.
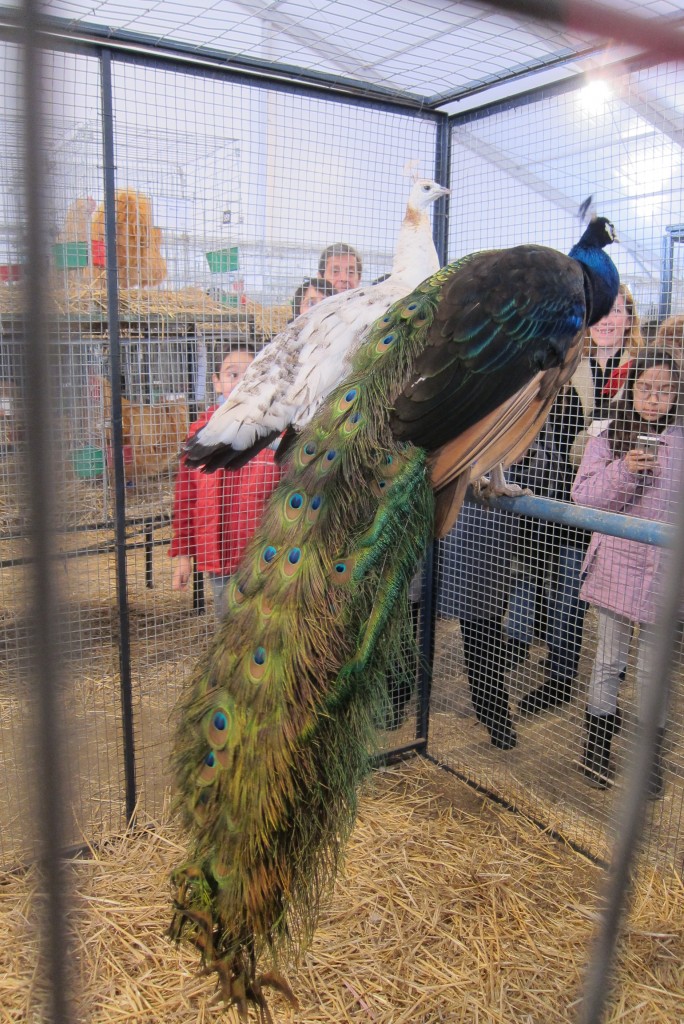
{"x": 280, "y": 714}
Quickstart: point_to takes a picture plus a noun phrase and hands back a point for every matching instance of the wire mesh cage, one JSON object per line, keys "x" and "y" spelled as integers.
{"x": 515, "y": 585}
{"x": 188, "y": 210}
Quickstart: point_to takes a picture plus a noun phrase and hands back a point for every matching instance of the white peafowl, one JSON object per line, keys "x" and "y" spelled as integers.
{"x": 291, "y": 377}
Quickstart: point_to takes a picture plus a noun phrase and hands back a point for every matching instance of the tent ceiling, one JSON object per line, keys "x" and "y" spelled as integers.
{"x": 435, "y": 51}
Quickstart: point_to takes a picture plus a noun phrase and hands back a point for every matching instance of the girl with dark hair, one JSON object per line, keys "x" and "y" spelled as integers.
{"x": 631, "y": 468}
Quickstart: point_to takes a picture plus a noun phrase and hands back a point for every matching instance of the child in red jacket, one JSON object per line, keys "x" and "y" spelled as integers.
{"x": 215, "y": 514}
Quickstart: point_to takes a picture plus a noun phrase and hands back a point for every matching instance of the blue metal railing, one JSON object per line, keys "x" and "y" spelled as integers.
{"x": 613, "y": 523}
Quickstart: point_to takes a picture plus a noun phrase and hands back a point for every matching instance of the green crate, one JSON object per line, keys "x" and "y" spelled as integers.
{"x": 223, "y": 261}
{"x": 69, "y": 255}
{"x": 88, "y": 462}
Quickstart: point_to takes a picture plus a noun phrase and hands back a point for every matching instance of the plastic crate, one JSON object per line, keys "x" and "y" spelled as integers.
{"x": 70, "y": 255}
{"x": 223, "y": 261}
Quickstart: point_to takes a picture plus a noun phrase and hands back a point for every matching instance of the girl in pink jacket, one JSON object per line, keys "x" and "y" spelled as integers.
{"x": 618, "y": 473}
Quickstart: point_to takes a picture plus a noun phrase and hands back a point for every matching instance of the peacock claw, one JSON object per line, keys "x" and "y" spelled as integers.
{"x": 496, "y": 486}
{"x": 235, "y": 988}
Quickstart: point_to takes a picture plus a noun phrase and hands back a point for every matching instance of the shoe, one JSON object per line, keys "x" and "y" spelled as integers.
{"x": 595, "y": 763}
{"x": 502, "y": 734}
{"x": 492, "y": 710}
{"x": 550, "y": 694}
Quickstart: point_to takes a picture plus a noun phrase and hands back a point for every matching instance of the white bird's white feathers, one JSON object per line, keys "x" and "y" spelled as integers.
{"x": 292, "y": 375}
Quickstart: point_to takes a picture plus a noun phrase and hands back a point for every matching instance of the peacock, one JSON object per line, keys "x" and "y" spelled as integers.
{"x": 278, "y": 719}
{"x": 291, "y": 376}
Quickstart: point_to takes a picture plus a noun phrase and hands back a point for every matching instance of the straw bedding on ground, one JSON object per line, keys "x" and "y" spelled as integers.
{"x": 449, "y": 909}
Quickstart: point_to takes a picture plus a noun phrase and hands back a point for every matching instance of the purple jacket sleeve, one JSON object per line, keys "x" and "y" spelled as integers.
{"x": 603, "y": 481}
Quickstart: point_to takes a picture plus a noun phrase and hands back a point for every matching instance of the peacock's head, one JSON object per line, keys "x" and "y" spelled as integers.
{"x": 424, "y": 192}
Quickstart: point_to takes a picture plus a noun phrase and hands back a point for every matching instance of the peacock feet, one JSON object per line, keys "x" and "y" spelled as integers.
{"x": 495, "y": 486}
{"x": 239, "y": 987}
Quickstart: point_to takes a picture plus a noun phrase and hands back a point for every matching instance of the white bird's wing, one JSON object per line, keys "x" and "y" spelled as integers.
{"x": 296, "y": 371}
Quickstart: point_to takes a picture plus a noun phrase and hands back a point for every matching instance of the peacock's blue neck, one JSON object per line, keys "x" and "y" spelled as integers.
{"x": 604, "y": 280}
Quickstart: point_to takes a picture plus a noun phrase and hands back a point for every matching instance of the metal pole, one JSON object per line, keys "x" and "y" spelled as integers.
{"x": 117, "y": 436}
{"x": 428, "y": 604}
{"x": 40, "y": 487}
{"x": 149, "y": 565}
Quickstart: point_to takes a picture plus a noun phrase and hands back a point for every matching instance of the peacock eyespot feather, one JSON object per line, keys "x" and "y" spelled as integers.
{"x": 218, "y": 729}
{"x": 293, "y": 562}
{"x": 342, "y": 571}
{"x": 307, "y": 453}
{"x": 380, "y": 487}
{"x": 348, "y": 400}
{"x": 408, "y": 311}
{"x": 235, "y": 595}
{"x": 268, "y": 554}
{"x": 314, "y": 508}
{"x": 294, "y": 506}
{"x": 385, "y": 343}
{"x": 208, "y": 770}
{"x": 390, "y": 467}
{"x": 352, "y": 423}
{"x": 256, "y": 664}
{"x": 328, "y": 461}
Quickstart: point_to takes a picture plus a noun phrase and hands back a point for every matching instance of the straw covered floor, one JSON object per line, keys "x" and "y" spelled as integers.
{"x": 449, "y": 909}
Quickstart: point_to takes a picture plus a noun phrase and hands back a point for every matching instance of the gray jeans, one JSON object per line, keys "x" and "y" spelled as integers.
{"x": 218, "y": 589}
{"x": 612, "y": 650}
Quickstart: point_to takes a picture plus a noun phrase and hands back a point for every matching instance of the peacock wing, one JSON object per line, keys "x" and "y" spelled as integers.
{"x": 502, "y": 317}
{"x": 500, "y": 437}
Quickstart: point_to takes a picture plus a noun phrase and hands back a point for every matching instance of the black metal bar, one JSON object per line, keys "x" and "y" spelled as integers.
{"x": 440, "y": 226}
{"x": 387, "y": 757}
{"x": 117, "y": 435}
{"x": 149, "y": 567}
{"x": 497, "y": 799}
{"x": 40, "y": 485}
{"x": 672, "y": 235}
{"x": 199, "y": 601}
{"x": 96, "y": 549}
{"x": 160, "y": 519}
{"x": 192, "y": 381}
{"x": 427, "y": 639}
{"x": 240, "y": 68}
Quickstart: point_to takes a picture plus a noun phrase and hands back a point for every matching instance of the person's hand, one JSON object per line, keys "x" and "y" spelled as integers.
{"x": 639, "y": 461}
{"x": 182, "y": 572}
